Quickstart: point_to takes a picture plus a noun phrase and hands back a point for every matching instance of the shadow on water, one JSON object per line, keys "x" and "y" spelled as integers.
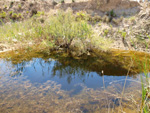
{"x": 74, "y": 84}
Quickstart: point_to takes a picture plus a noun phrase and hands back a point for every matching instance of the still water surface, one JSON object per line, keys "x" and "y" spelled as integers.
{"x": 50, "y": 86}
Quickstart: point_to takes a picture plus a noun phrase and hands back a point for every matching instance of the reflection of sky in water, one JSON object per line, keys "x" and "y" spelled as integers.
{"x": 43, "y": 85}
{"x": 39, "y": 71}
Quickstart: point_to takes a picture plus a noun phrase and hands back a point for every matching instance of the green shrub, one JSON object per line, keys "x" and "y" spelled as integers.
{"x": 62, "y": 1}
{"x": 39, "y": 13}
{"x": 81, "y": 15}
{"x": 123, "y": 34}
{"x": 64, "y": 26}
{"x": 10, "y": 12}
{"x": 19, "y": 15}
{"x": 3, "y": 14}
{"x": 97, "y": 18}
{"x": 106, "y": 32}
{"x": 5, "y": 6}
{"x": 57, "y": 30}
{"x": 19, "y": 6}
{"x": 112, "y": 13}
{"x": 16, "y": 16}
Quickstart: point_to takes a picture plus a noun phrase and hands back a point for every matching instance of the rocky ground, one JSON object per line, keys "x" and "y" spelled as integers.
{"x": 126, "y": 22}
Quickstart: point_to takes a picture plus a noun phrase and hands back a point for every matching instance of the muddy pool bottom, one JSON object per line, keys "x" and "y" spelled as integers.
{"x": 47, "y": 85}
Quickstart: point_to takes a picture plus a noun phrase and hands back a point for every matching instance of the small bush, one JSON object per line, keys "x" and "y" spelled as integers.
{"x": 40, "y": 13}
{"x": 62, "y": 1}
{"x": 16, "y": 16}
{"x": 97, "y": 18}
{"x": 19, "y": 6}
{"x": 5, "y": 7}
{"x": 10, "y": 12}
{"x": 3, "y": 14}
{"x": 20, "y": 15}
{"x": 60, "y": 30}
{"x": 106, "y": 32}
{"x": 117, "y": 21}
{"x": 64, "y": 26}
{"x": 106, "y": 19}
{"x": 112, "y": 13}
{"x": 81, "y": 15}
{"x": 123, "y": 34}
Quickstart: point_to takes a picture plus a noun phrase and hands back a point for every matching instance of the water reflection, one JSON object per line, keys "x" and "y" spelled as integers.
{"x": 45, "y": 85}
{"x": 39, "y": 70}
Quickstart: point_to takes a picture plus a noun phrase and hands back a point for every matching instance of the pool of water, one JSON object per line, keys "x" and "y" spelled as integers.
{"x": 48, "y": 85}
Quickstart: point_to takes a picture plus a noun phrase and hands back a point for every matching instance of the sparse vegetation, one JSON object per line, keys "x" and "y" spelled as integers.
{"x": 40, "y": 13}
{"x": 81, "y": 16}
{"x": 15, "y": 16}
{"x": 77, "y": 31}
{"x": 106, "y": 32}
{"x": 10, "y": 12}
{"x": 19, "y": 6}
{"x": 117, "y": 21}
{"x": 3, "y": 14}
{"x": 57, "y": 31}
{"x": 106, "y": 19}
{"x": 62, "y": 1}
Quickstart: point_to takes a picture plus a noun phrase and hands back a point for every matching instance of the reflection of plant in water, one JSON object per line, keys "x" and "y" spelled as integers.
{"x": 57, "y": 69}
{"x": 21, "y": 67}
{"x": 68, "y": 66}
{"x": 87, "y": 100}
{"x": 69, "y": 71}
